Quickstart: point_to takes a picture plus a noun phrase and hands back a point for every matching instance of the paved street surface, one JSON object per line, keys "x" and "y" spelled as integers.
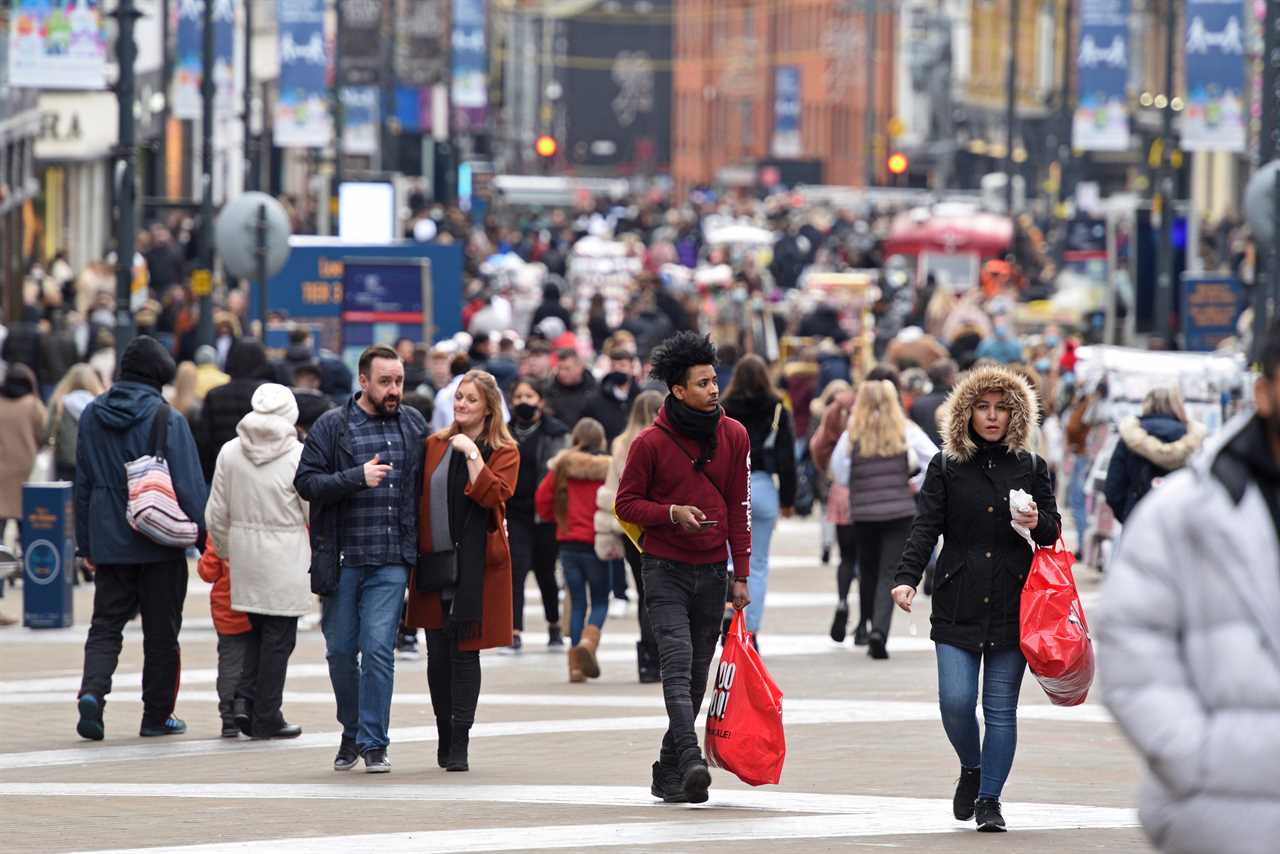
{"x": 554, "y": 766}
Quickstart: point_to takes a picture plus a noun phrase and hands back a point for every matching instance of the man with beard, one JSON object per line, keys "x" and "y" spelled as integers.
{"x": 1191, "y": 636}
{"x": 693, "y": 517}
{"x": 361, "y": 469}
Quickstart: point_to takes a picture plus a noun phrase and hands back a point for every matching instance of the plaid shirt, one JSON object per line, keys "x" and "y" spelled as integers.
{"x": 371, "y": 525}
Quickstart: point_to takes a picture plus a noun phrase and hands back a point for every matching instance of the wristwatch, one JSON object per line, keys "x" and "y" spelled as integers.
{"x": 474, "y": 455}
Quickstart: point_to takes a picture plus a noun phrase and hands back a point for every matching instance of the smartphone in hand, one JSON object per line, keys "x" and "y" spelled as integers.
{"x": 707, "y": 523}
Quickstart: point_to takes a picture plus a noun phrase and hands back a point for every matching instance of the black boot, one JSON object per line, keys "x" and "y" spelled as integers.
{"x": 444, "y": 741}
{"x": 240, "y": 712}
{"x": 860, "y": 635}
{"x": 966, "y": 793}
{"x": 695, "y": 778}
{"x": 458, "y": 742}
{"x": 667, "y": 785}
{"x": 840, "y": 623}
{"x": 647, "y": 663}
{"x": 876, "y": 646}
{"x": 989, "y": 818}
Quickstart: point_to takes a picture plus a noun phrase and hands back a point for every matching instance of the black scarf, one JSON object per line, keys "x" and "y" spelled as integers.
{"x": 469, "y": 530}
{"x": 700, "y": 426}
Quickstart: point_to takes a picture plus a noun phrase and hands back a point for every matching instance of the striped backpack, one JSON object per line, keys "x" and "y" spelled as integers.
{"x": 152, "y": 508}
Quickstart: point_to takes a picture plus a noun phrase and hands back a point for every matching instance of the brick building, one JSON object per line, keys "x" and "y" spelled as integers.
{"x": 737, "y": 63}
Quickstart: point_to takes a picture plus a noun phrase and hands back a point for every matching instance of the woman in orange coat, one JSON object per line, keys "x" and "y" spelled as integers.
{"x": 460, "y": 591}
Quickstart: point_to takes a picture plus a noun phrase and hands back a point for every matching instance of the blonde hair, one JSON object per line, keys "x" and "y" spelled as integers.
{"x": 494, "y": 433}
{"x": 1164, "y": 401}
{"x": 644, "y": 409}
{"x": 81, "y": 377}
{"x": 877, "y": 427}
{"x": 184, "y": 387}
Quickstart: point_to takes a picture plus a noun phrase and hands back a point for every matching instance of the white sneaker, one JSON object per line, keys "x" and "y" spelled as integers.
{"x": 618, "y": 607}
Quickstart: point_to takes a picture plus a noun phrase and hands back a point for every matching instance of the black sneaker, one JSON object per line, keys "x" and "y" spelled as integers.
{"x": 555, "y": 637}
{"x": 875, "y": 646}
{"x": 171, "y": 726}
{"x": 826, "y": 555}
{"x": 376, "y": 761}
{"x": 90, "y": 724}
{"x": 230, "y": 729}
{"x": 695, "y": 779}
{"x": 241, "y": 715}
{"x": 407, "y": 646}
{"x": 988, "y": 814}
{"x": 347, "y": 756}
{"x": 667, "y": 785}
{"x": 860, "y": 636}
{"x": 840, "y": 623}
{"x": 966, "y": 793}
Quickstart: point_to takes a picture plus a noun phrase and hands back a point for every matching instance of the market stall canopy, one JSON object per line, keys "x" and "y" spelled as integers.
{"x": 949, "y": 229}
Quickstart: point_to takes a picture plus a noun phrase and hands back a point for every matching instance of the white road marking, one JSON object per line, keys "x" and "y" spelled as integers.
{"x": 842, "y": 816}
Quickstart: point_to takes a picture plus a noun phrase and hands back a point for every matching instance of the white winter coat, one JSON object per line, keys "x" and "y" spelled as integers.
{"x": 255, "y": 517}
{"x": 1189, "y": 655}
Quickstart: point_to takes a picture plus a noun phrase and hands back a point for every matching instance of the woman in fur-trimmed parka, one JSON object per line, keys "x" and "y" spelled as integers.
{"x": 1150, "y": 447}
{"x": 986, "y": 425}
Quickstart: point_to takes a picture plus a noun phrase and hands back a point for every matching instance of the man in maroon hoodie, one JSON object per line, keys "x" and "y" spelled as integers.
{"x": 687, "y": 483}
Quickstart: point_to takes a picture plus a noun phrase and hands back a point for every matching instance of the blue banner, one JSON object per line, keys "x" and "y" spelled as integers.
{"x": 786, "y": 112}
{"x": 1214, "y": 118}
{"x": 470, "y": 65}
{"x": 360, "y": 119}
{"x": 1101, "y": 120}
{"x": 302, "y": 106}
{"x": 1211, "y": 305}
{"x": 187, "y": 69}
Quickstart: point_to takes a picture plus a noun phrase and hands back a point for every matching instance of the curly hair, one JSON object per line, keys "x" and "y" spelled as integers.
{"x": 673, "y": 358}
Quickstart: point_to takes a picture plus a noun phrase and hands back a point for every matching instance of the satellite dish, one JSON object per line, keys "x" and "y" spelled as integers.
{"x": 237, "y": 233}
{"x": 1260, "y": 205}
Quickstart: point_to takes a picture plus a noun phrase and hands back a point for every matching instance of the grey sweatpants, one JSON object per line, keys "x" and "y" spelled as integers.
{"x": 231, "y": 654}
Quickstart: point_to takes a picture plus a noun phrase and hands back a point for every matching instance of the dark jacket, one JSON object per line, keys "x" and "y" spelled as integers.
{"x": 879, "y": 488}
{"x": 1149, "y": 448}
{"x": 116, "y": 429}
{"x": 756, "y": 414}
{"x": 977, "y": 587}
{"x": 328, "y": 474}
{"x": 925, "y": 413}
{"x": 536, "y": 451}
{"x": 605, "y": 407}
{"x": 567, "y": 402}
{"x": 225, "y": 405}
{"x": 294, "y": 357}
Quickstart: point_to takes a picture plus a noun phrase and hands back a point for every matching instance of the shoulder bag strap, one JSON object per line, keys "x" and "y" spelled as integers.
{"x": 160, "y": 431}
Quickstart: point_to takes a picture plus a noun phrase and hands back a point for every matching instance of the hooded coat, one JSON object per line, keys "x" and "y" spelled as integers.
{"x": 572, "y": 481}
{"x": 1149, "y": 448}
{"x": 256, "y": 518}
{"x": 116, "y": 429}
{"x": 965, "y": 498}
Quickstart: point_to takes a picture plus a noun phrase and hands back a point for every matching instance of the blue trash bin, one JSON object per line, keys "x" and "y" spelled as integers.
{"x": 48, "y": 555}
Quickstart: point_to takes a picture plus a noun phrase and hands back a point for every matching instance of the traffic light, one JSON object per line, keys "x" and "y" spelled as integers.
{"x": 546, "y": 146}
{"x": 898, "y": 163}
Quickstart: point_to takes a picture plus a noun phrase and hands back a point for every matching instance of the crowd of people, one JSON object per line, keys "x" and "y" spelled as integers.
{"x": 624, "y": 459}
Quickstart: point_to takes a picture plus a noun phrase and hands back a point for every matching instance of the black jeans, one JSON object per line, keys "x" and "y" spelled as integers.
{"x": 121, "y": 592}
{"x": 533, "y": 547}
{"x": 453, "y": 677}
{"x": 642, "y": 610}
{"x": 848, "y": 569}
{"x": 266, "y": 661}
{"x": 231, "y": 652}
{"x": 880, "y": 546}
{"x": 686, "y": 604}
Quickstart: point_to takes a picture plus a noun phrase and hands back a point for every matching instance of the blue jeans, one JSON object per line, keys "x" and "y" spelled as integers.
{"x": 583, "y": 570}
{"x": 1076, "y": 496}
{"x": 359, "y": 621}
{"x": 958, "y": 698}
{"x": 764, "y": 516}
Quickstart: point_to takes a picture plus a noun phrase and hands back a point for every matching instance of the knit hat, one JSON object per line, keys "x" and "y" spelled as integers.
{"x": 275, "y": 399}
{"x": 146, "y": 361}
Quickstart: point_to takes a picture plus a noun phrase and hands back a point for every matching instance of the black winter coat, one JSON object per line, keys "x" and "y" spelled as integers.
{"x": 756, "y": 414}
{"x": 612, "y": 413}
{"x": 984, "y": 563}
{"x": 536, "y": 450}
{"x": 223, "y": 408}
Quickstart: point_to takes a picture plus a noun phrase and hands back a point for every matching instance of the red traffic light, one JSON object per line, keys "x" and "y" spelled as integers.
{"x": 898, "y": 163}
{"x": 545, "y": 146}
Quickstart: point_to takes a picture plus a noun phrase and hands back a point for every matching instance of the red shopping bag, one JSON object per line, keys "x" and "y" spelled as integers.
{"x": 1054, "y": 633}
{"x": 744, "y": 722}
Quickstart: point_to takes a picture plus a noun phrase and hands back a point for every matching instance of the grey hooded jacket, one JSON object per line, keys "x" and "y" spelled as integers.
{"x": 1189, "y": 654}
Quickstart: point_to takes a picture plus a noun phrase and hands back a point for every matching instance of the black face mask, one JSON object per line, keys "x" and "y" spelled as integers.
{"x": 525, "y": 413}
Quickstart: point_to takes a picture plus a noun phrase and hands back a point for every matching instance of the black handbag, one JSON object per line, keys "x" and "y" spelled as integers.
{"x": 436, "y": 571}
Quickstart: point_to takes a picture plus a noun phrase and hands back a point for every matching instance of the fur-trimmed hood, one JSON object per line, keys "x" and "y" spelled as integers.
{"x": 579, "y": 465}
{"x": 1168, "y": 455}
{"x": 955, "y": 413}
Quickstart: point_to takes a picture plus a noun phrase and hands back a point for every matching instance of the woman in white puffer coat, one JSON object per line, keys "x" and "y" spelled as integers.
{"x": 258, "y": 523}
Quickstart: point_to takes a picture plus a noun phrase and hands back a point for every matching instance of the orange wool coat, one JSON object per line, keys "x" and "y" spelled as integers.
{"x": 490, "y": 489}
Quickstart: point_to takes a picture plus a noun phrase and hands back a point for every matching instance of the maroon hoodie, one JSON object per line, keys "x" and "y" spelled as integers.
{"x": 659, "y": 473}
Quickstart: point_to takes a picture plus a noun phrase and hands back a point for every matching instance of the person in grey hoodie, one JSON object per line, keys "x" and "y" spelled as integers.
{"x": 1189, "y": 642}
{"x": 258, "y": 523}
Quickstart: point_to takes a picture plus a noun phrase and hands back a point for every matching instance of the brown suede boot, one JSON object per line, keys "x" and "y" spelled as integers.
{"x": 590, "y": 643}
{"x": 575, "y": 668}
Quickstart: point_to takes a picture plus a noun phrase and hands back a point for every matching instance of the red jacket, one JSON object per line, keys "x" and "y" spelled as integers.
{"x": 659, "y": 473}
{"x": 577, "y": 476}
{"x": 213, "y": 569}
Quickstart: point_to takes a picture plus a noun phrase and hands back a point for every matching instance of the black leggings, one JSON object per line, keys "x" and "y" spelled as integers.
{"x": 847, "y": 571}
{"x": 453, "y": 677}
{"x": 533, "y": 547}
{"x": 880, "y": 546}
